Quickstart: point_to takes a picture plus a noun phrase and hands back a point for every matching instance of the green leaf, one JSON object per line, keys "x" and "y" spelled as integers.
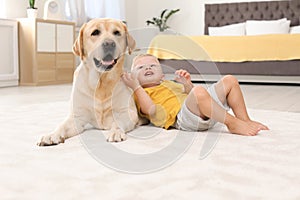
{"x": 161, "y": 22}
{"x": 31, "y": 3}
{"x": 149, "y": 22}
{"x": 162, "y": 13}
{"x": 171, "y": 13}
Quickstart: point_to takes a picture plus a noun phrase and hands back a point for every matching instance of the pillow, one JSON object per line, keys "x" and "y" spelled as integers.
{"x": 295, "y": 29}
{"x": 229, "y": 30}
{"x": 261, "y": 27}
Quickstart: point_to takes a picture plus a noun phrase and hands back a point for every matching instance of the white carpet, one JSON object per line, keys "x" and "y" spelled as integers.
{"x": 266, "y": 166}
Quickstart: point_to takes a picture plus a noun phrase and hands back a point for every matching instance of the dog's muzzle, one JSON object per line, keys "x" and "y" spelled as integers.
{"x": 105, "y": 65}
{"x": 108, "y": 61}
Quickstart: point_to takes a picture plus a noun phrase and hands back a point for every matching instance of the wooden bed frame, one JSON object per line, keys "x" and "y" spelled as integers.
{"x": 260, "y": 71}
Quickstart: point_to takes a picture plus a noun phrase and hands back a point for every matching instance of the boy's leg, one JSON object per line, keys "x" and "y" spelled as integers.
{"x": 200, "y": 103}
{"x": 228, "y": 89}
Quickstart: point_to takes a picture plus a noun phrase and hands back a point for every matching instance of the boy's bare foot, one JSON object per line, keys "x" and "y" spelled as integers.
{"x": 241, "y": 127}
{"x": 258, "y": 125}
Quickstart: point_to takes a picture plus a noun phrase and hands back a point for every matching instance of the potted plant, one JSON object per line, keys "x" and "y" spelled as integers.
{"x": 161, "y": 22}
{"x": 31, "y": 10}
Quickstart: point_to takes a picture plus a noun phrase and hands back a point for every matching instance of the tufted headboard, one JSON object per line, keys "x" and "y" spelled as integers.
{"x": 230, "y": 13}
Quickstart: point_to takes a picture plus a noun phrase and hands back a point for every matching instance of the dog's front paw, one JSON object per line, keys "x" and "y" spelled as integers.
{"x": 116, "y": 136}
{"x": 52, "y": 139}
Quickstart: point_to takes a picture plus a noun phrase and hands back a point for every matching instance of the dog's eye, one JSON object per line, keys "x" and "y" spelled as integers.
{"x": 96, "y": 32}
{"x": 117, "y": 33}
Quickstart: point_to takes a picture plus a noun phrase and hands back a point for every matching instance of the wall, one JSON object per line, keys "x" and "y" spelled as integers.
{"x": 137, "y": 12}
{"x": 17, "y": 8}
{"x": 188, "y": 21}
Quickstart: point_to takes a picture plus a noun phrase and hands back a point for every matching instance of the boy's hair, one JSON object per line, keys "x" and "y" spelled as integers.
{"x": 141, "y": 56}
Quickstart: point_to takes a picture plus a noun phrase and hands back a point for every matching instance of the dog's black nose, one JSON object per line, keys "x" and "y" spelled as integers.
{"x": 109, "y": 45}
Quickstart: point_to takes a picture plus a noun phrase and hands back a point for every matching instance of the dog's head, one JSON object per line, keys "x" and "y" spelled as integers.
{"x": 103, "y": 42}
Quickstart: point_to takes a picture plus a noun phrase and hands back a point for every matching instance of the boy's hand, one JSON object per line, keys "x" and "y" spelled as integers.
{"x": 130, "y": 80}
{"x": 183, "y": 76}
{"x": 147, "y": 106}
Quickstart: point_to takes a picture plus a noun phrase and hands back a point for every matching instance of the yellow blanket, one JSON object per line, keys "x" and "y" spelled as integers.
{"x": 227, "y": 48}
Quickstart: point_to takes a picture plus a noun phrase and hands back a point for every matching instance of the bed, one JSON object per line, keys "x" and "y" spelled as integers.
{"x": 277, "y": 58}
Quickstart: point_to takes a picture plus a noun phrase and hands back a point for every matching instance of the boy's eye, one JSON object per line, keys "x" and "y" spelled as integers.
{"x": 140, "y": 67}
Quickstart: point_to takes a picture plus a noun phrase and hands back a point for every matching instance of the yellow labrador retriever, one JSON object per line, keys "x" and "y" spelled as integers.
{"x": 99, "y": 96}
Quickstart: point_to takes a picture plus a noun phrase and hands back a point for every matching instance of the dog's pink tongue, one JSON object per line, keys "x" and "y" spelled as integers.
{"x": 110, "y": 62}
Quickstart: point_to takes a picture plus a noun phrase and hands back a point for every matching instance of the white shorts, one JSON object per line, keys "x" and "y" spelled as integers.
{"x": 188, "y": 121}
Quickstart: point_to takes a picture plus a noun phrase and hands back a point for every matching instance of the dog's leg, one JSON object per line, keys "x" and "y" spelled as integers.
{"x": 116, "y": 134}
{"x": 123, "y": 123}
{"x": 69, "y": 128}
{"x": 124, "y": 112}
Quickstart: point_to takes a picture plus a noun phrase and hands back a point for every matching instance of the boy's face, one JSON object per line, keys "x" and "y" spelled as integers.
{"x": 148, "y": 71}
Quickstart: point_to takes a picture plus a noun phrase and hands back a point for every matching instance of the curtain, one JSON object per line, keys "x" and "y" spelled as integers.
{"x": 81, "y": 11}
{"x": 105, "y": 9}
{"x": 2, "y": 9}
{"x": 75, "y": 11}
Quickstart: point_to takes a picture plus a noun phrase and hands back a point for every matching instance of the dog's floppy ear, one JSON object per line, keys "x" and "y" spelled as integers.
{"x": 129, "y": 40}
{"x": 78, "y": 47}
{"x": 130, "y": 43}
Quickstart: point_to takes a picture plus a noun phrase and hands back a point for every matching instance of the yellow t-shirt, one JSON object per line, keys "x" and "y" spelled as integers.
{"x": 168, "y": 96}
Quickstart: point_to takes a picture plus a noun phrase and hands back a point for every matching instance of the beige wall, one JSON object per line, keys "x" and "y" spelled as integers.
{"x": 17, "y": 8}
{"x": 189, "y": 21}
